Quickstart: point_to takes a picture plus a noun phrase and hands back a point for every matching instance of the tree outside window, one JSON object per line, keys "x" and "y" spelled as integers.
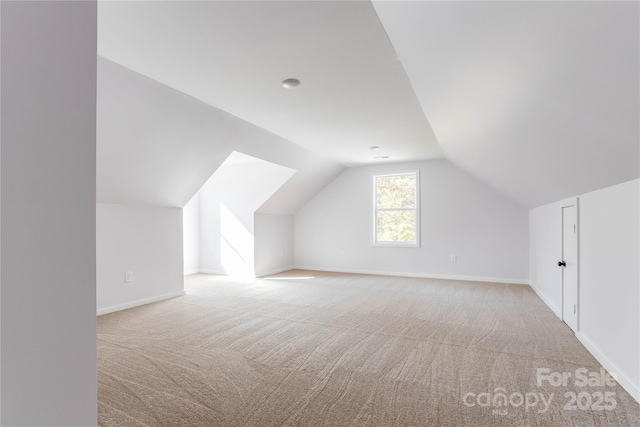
{"x": 396, "y": 209}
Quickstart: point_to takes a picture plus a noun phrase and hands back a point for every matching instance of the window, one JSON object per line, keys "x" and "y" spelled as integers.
{"x": 396, "y": 209}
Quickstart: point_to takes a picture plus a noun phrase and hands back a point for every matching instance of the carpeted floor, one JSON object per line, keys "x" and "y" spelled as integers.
{"x": 307, "y": 348}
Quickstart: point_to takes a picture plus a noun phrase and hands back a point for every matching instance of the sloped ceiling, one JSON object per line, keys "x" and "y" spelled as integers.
{"x": 538, "y": 99}
{"x": 234, "y": 55}
{"x": 157, "y": 146}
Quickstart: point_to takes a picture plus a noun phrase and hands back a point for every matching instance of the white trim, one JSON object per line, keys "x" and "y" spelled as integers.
{"x": 578, "y": 321}
{"x": 139, "y": 302}
{"x": 570, "y": 201}
{"x": 216, "y": 272}
{"x": 275, "y": 271}
{"x": 623, "y": 380}
{"x": 418, "y": 275}
{"x": 566, "y": 203}
{"x": 394, "y": 245}
{"x": 188, "y": 272}
{"x": 373, "y": 221}
{"x": 546, "y": 300}
{"x": 261, "y": 274}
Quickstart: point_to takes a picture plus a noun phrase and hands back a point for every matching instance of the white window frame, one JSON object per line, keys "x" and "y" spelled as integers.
{"x": 375, "y": 210}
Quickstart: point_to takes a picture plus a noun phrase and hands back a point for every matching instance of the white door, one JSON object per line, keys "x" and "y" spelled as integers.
{"x": 569, "y": 266}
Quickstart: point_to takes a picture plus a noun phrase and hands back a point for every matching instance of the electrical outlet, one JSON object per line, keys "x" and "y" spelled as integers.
{"x": 454, "y": 258}
{"x": 128, "y": 276}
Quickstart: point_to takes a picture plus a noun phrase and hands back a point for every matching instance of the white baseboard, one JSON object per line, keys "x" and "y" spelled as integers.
{"x": 276, "y": 271}
{"x": 261, "y": 274}
{"x": 546, "y": 300}
{"x": 216, "y": 272}
{"x": 188, "y": 272}
{"x": 621, "y": 378}
{"x": 418, "y": 275}
{"x": 139, "y": 302}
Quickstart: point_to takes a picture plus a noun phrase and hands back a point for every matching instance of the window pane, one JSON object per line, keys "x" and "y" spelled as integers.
{"x": 396, "y": 226}
{"x": 394, "y": 192}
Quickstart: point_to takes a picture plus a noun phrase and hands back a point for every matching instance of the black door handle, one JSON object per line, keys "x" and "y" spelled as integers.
{"x": 562, "y": 264}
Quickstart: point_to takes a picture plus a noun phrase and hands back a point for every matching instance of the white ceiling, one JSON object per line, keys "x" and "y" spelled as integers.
{"x": 236, "y": 158}
{"x": 538, "y": 99}
{"x": 234, "y": 55}
{"x": 157, "y": 146}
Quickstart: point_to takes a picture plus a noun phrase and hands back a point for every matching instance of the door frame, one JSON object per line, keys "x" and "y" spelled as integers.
{"x": 573, "y": 201}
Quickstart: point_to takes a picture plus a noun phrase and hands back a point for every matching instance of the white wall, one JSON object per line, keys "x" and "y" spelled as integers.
{"x": 610, "y": 278}
{"x": 460, "y": 216}
{"x": 48, "y": 145}
{"x": 228, "y": 201}
{"x": 157, "y": 147}
{"x": 273, "y": 243}
{"x": 191, "y": 235}
{"x": 609, "y": 298}
{"x": 144, "y": 240}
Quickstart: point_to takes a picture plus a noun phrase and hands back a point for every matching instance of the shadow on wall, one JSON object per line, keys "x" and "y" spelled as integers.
{"x": 236, "y": 245}
{"x": 219, "y": 220}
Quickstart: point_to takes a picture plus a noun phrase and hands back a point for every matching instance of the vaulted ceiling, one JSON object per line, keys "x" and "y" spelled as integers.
{"x": 538, "y": 99}
{"x": 234, "y": 55}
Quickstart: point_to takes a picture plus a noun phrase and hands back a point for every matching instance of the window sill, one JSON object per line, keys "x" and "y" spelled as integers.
{"x": 395, "y": 245}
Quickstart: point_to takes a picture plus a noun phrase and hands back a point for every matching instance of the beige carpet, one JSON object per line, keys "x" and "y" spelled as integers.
{"x": 319, "y": 349}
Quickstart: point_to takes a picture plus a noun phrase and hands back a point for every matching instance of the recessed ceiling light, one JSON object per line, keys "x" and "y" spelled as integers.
{"x": 374, "y": 148}
{"x": 290, "y": 83}
{"x": 381, "y": 157}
